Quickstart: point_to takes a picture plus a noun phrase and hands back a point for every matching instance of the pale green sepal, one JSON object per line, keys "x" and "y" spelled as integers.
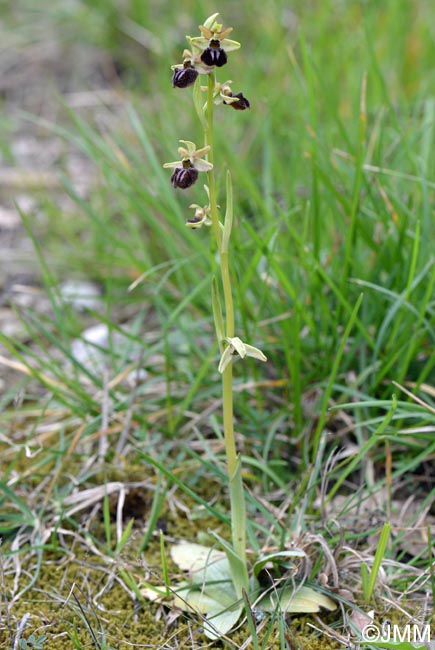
{"x": 174, "y": 164}
{"x": 194, "y": 226}
{"x": 193, "y": 155}
{"x": 229, "y": 45}
{"x": 201, "y": 152}
{"x": 198, "y": 42}
{"x": 228, "y": 100}
{"x": 199, "y": 103}
{"x": 228, "y": 224}
{"x": 256, "y": 353}
{"x": 203, "y": 165}
{"x": 302, "y": 600}
{"x": 210, "y": 21}
{"x": 217, "y": 313}
{"x": 225, "y": 358}
{"x": 189, "y": 149}
{"x": 237, "y": 344}
{"x": 272, "y": 557}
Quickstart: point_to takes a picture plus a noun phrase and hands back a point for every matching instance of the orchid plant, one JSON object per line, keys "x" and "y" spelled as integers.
{"x": 220, "y": 585}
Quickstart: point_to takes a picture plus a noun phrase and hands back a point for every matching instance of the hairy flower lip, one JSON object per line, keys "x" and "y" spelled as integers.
{"x": 185, "y": 76}
{"x": 214, "y": 55}
{"x": 184, "y": 177}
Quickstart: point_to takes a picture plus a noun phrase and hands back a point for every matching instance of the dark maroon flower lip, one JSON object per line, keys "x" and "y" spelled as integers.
{"x": 184, "y": 77}
{"x": 186, "y": 169}
{"x": 214, "y": 54}
{"x": 184, "y": 177}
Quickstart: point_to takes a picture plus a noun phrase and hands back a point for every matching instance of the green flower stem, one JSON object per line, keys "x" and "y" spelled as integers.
{"x": 228, "y": 295}
{"x": 237, "y": 496}
{"x": 237, "y": 499}
{"x": 230, "y": 441}
{"x": 210, "y": 156}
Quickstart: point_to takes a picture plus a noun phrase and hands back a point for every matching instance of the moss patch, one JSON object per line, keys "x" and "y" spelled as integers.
{"x": 79, "y": 598}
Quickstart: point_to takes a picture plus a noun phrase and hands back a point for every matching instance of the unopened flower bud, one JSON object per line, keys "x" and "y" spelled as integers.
{"x": 239, "y": 102}
{"x": 194, "y": 222}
